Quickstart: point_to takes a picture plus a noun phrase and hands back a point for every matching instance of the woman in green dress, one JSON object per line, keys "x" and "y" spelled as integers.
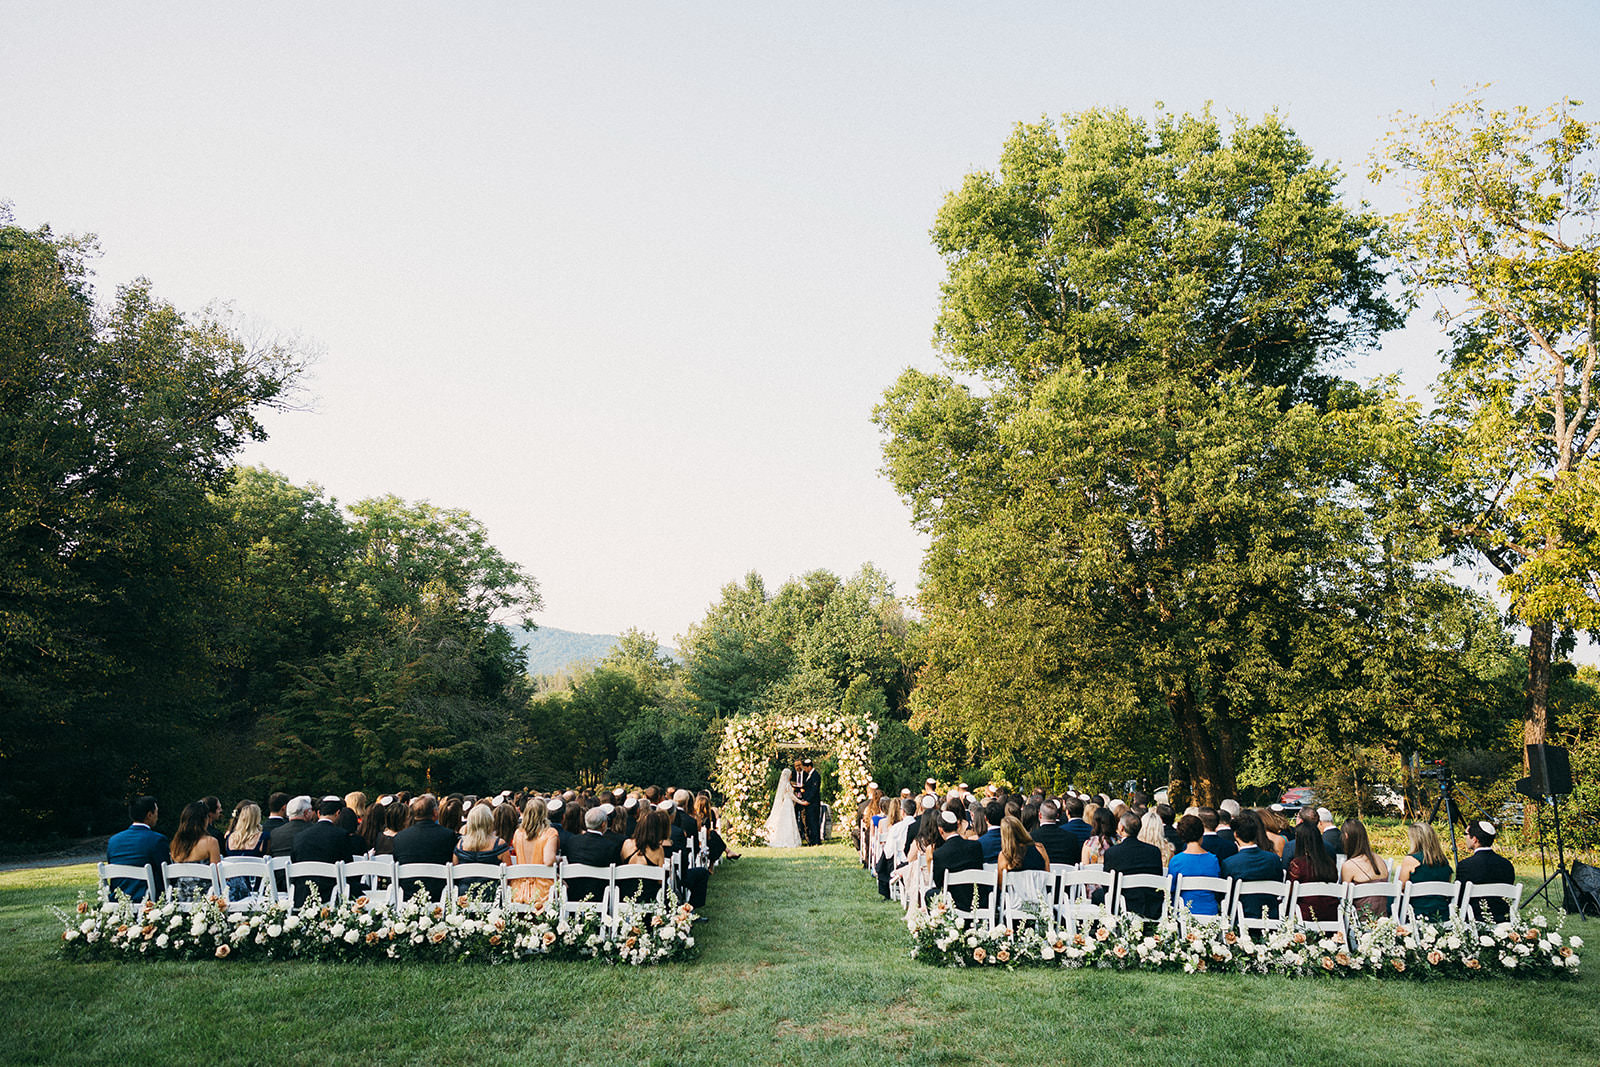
{"x": 1426, "y": 864}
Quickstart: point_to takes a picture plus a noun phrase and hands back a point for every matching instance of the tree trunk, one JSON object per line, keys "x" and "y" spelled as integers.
{"x": 1211, "y": 775}
{"x": 1537, "y": 721}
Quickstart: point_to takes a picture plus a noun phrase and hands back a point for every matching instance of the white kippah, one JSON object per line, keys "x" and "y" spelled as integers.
{"x": 631, "y": 803}
{"x": 1486, "y": 826}
{"x": 553, "y": 805}
{"x": 606, "y": 810}
{"x": 948, "y": 818}
{"x": 928, "y": 801}
{"x": 665, "y": 805}
{"x": 385, "y": 800}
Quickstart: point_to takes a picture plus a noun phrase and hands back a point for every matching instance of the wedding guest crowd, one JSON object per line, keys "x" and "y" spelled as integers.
{"x": 912, "y": 842}
{"x": 650, "y": 826}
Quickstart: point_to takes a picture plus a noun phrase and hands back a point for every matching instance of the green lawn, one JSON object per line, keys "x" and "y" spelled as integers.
{"x": 802, "y": 963}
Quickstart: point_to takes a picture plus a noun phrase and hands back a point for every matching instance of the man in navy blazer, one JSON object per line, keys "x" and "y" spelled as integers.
{"x": 1076, "y": 826}
{"x": 1252, "y": 863}
{"x": 138, "y": 845}
{"x": 989, "y": 840}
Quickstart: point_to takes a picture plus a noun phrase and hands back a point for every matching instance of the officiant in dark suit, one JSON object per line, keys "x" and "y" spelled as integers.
{"x": 808, "y": 796}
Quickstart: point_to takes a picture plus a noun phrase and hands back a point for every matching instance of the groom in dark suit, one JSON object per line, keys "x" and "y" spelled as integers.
{"x": 809, "y": 794}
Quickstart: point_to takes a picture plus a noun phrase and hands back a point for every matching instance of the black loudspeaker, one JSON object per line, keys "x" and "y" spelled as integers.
{"x": 1554, "y": 759}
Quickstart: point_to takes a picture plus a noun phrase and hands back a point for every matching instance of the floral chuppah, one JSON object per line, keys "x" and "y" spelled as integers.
{"x": 748, "y": 743}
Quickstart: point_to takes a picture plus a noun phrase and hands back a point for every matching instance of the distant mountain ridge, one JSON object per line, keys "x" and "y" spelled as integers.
{"x": 551, "y": 650}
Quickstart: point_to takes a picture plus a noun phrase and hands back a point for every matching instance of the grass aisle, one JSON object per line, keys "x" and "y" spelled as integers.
{"x": 801, "y": 962}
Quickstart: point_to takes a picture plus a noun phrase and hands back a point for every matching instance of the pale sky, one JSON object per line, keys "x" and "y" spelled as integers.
{"x": 625, "y": 280}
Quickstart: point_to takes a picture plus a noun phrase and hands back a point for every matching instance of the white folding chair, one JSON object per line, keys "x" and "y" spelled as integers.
{"x": 1334, "y": 890}
{"x": 1160, "y": 883}
{"x": 643, "y": 872}
{"x": 1221, "y": 888}
{"x": 319, "y": 869}
{"x": 190, "y": 894}
{"x": 1278, "y": 890}
{"x": 377, "y": 880}
{"x": 570, "y": 871}
{"x": 979, "y": 909}
{"x": 1075, "y": 897}
{"x": 477, "y": 885}
{"x": 410, "y": 877}
{"x": 1472, "y": 893}
{"x": 1361, "y": 901}
{"x": 110, "y": 872}
{"x": 1025, "y": 896}
{"x": 515, "y": 875}
{"x": 255, "y": 873}
{"x": 1448, "y": 892}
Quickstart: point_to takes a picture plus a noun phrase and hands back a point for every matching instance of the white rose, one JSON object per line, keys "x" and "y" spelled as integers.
{"x": 274, "y": 930}
{"x": 1575, "y": 941}
{"x": 352, "y": 936}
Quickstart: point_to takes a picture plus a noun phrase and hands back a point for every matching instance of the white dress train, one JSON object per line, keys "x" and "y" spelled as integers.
{"x": 782, "y": 830}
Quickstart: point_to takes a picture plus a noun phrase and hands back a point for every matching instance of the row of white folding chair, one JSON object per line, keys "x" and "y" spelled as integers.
{"x": 119, "y": 872}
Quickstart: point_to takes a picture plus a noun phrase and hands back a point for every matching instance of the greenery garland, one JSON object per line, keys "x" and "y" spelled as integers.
{"x": 748, "y": 742}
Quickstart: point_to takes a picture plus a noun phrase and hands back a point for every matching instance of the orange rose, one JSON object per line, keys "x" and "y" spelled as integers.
{"x": 1400, "y": 965}
{"x": 979, "y": 955}
{"x": 223, "y": 951}
{"x": 1327, "y": 964}
{"x": 1473, "y": 964}
{"x": 1435, "y": 957}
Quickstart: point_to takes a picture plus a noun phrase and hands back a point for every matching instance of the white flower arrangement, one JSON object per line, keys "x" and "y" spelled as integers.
{"x": 417, "y": 930}
{"x": 1384, "y": 948}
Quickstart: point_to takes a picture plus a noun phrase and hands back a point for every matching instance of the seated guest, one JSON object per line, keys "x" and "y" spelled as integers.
{"x": 1101, "y": 837}
{"x": 1312, "y": 863}
{"x": 955, "y": 853}
{"x": 1059, "y": 845}
{"x": 1306, "y": 815}
{"x": 213, "y": 816}
{"x": 571, "y": 813}
{"x": 594, "y": 848}
{"x": 1018, "y": 851}
{"x": 534, "y": 841}
{"x": 479, "y": 844}
{"x": 1195, "y": 861}
{"x": 370, "y": 829}
{"x": 647, "y": 846}
{"x": 1076, "y": 826}
{"x": 452, "y": 814}
{"x": 1361, "y": 864}
{"x": 138, "y": 846}
{"x": 1486, "y": 867}
{"x": 1130, "y": 855}
{"x": 994, "y": 813}
{"x": 275, "y": 814}
{"x": 424, "y": 841}
{"x": 1331, "y": 838}
{"x": 705, "y": 816}
{"x": 1152, "y": 831}
{"x": 506, "y": 818}
{"x": 396, "y": 817}
{"x": 193, "y": 843}
{"x": 1426, "y": 863}
{"x": 357, "y": 802}
{"x": 1274, "y": 826}
{"x": 1169, "y": 819}
{"x": 1214, "y": 841}
{"x": 300, "y": 812}
{"x": 244, "y": 839}
{"x": 324, "y": 841}
{"x": 1252, "y": 863}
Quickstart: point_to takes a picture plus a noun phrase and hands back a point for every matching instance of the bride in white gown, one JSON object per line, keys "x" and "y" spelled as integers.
{"x": 782, "y": 830}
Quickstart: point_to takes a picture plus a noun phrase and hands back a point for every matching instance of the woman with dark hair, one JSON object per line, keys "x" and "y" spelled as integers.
{"x": 706, "y": 816}
{"x": 396, "y": 817}
{"x": 1195, "y": 861}
{"x": 371, "y": 828}
{"x": 572, "y": 818}
{"x": 450, "y": 814}
{"x": 1312, "y": 863}
{"x": 648, "y": 845}
{"x": 1276, "y": 827}
{"x": 1362, "y": 865}
{"x": 193, "y": 843}
{"x": 1102, "y": 835}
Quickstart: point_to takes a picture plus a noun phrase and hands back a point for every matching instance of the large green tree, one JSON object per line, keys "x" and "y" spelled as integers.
{"x": 1502, "y": 232}
{"x": 115, "y": 425}
{"x": 1153, "y": 508}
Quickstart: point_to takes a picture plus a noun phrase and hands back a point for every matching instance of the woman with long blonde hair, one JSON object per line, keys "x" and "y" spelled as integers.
{"x": 534, "y": 842}
{"x": 1426, "y": 863}
{"x": 1152, "y": 831}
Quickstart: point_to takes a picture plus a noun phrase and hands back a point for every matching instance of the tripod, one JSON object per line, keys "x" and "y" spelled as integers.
{"x": 1447, "y": 798}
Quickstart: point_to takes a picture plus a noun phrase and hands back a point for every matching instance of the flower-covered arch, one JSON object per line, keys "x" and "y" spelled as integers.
{"x": 750, "y": 741}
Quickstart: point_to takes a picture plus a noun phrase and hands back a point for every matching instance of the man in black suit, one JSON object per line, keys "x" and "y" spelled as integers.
{"x": 324, "y": 841}
{"x": 594, "y": 848}
{"x": 301, "y": 812}
{"x": 1252, "y": 863}
{"x": 1057, "y": 842}
{"x": 1217, "y": 846}
{"x": 1132, "y": 856}
{"x": 1332, "y": 839}
{"x": 1076, "y": 826}
{"x": 956, "y": 853}
{"x": 1486, "y": 867}
{"x": 275, "y": 816}
{"x": 809, "y": 793}
{"x": 989, "y": 840}
{"x": 424, "y": 841}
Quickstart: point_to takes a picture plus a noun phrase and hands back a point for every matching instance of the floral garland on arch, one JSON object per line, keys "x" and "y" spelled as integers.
{"x": 748, "y": 743}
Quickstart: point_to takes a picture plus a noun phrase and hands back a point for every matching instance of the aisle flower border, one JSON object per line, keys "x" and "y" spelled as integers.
{"x": 419, "y": 930}
{"x": 748, "y": 742}
{"x": 1386, "y": 948}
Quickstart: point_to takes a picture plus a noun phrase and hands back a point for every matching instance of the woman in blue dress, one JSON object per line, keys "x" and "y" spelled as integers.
{"x": 1195, "y": 861}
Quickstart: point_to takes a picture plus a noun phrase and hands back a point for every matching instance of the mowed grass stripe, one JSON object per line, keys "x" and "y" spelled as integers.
{"x": 801, "y": 960}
